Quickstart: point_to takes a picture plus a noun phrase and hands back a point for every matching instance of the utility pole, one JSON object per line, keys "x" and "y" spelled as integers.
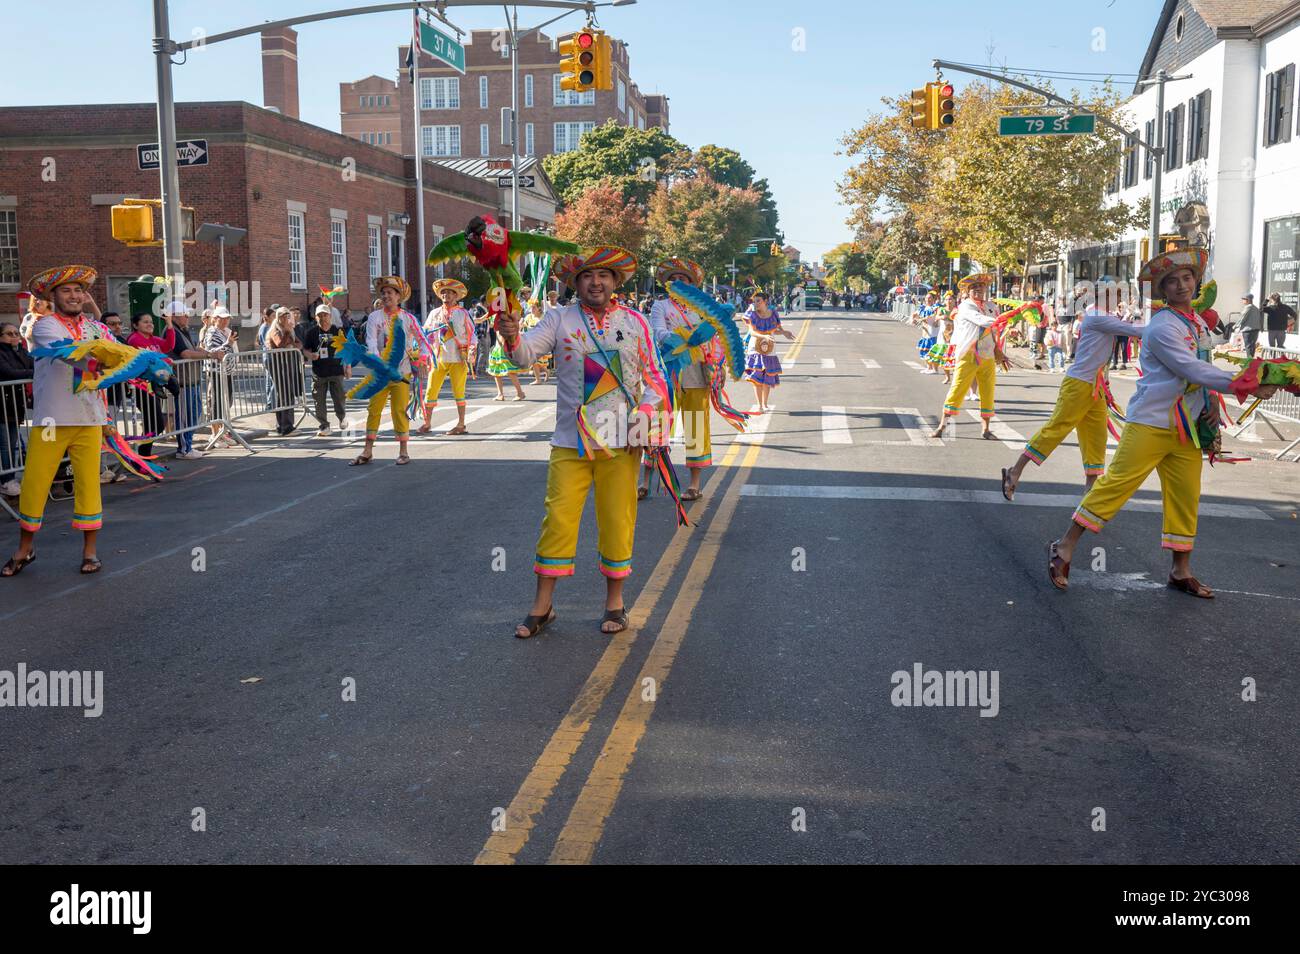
{"x": 173, "y": 250}
{"x": 419, "y": 165}
{"x": 514, "y": 118}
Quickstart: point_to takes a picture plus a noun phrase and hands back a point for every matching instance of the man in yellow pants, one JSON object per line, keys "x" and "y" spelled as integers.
{"x": 392, "y": 290}
{"x": 1082, "y": 403}
{"x": 450, "y": 330}
{"x": 610, "y": 389}
{"x": 974, "y": 353}
{"x": 1173, "y": 394}
{"x": 691, "y": 396}
{"x": 63, "y": 422}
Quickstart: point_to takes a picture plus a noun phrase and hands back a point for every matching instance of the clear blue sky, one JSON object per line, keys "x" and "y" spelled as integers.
{"x": 727, "y": 65}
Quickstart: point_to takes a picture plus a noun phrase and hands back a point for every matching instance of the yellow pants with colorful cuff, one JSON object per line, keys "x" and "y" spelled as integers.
{"x": 458, "y": 372}
{"x": 984, "y": 374}
{"x": 1142, "y": 449}
{"x": 569, "y": 477}
{"x": 81, "y": 445}
{"x": 1076, "y": 410}
{"x": 397, "y": 396}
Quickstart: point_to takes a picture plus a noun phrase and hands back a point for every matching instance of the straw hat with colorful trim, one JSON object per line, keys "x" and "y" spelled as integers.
{"x": 393, "y": 281}
{"x": 618, "y": 260}
{"x": 443, "y": 284}
{"x": 970, "y": 281}
{"x": 683, "y": 268}
{"x": 1160, "y": 267}
{"x": 50, "y": 279}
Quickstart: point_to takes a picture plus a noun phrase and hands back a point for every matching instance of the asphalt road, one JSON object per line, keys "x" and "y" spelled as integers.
{"x": 748, "y": 716}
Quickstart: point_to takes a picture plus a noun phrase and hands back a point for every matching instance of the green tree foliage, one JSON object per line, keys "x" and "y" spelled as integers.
{"x": 702, "y": 220}
{"x": 602, "y": 215}
{"x": 613, "y": 153}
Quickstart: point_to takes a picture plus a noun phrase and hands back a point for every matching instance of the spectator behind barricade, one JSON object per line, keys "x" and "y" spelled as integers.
{"x": 15, "y": 365}
{"x": 37, "y": 308}
{"x": 113, "y": 321}
{"x": 285, "y": 370}
{"x": 150, "y": 405}
{"x": 301, "y": 324}
{"x": 220, "y": 344}
{"x": 328, "y": 372}
{"x": 1252, "y": 323}
{"x": 189, "y": 378}
{"x": 268, "y": 319}
{"x": 1279, "y": 318}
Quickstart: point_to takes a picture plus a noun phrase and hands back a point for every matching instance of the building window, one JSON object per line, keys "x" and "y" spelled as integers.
{"x": 640, "y": 121}
{"x": 622, "y": 96}
{"x": 339, "y": 251}
{"x": 440, "y": 92}
{"x": 483, "y": 138}
{"x": 396, "y": 258}
{"x": 565, "y": 97}
{"x": 440, "y": 140}
{"x": 568, "y": 135}
{"x": 1130, "y": 162}
{"x": 528, "y": 90}
{"x": 1150, "y": 136}
{"x": 1198, "y": 127}
{"x": 1279, "y": 91}
{"x": 361, "y": 102}
{"x": 373, "y": 253}
{"x": 1174, "y": 138}
{"x": 505, "y": 51}
{"x": 297, "y": 251}
{"x": 1180, "y": 28}
{"x": 482, "y": 92}
{"x": 529, "y": 149}
{"x": 8, "y": 247}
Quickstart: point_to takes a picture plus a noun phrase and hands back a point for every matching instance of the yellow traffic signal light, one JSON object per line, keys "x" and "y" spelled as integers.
{"x": 578, "y": 61}
{"x": 604, "y": 61}
{"x": 921, "y": 108}
{"x": 942, "y": 105}
{"x": 132, "y": 223}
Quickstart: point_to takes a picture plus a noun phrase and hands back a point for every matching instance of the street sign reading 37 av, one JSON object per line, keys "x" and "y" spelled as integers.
{"x": 1047, "y": 125}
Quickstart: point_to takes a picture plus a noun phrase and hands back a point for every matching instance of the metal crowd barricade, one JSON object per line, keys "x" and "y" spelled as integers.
{"x": 253, "y": 383}
{"x": 15, "y": 419}
{"x": 1282, "y": 406}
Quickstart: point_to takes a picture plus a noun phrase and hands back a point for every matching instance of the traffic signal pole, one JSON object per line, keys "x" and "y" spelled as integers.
{"x": 1156, "y": 149}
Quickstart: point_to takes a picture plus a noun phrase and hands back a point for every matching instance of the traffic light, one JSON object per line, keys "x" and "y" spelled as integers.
{"x": 921, "y": 108}
{"x": 132, "y": 223}
{"x": 586, "y": 61}
{"x": 942, "y": 105}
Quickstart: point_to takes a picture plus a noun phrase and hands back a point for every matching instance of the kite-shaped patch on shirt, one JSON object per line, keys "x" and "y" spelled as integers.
{"x": 601, "y": 374}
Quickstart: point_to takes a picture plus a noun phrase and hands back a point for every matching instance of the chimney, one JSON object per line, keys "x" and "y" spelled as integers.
{"x": 280, "y": 70}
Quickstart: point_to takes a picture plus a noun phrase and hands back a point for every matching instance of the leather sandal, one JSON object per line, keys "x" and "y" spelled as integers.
{"x": 642, "y": 493}
{"x": 535, "y": 624}
{"x": 692, "y": 493}
{"x": 91, "y": 565}
{"x": 614, "y": 616}
{"x": 359, "y": 460}
{"x": 458, "y": 429}
{"x": 1192, "y": 586}
{"x": 403, "y": 459}
{"x": 13, "y": 567}
{"x": 1008, "y": 488}
{"x": 1058, "y": 570}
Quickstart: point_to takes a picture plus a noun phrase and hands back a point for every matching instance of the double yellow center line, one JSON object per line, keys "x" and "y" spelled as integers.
{"x": 586, "y": 822}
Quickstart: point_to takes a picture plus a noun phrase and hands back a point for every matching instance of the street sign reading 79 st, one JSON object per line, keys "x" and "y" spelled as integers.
{"x": 1047, "y": 125}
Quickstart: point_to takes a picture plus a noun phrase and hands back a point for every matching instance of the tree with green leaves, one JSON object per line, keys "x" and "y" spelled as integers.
{"x": 703, "y": 220}
{"x": 613, "y": 153}
{"x": 602, "y": 215}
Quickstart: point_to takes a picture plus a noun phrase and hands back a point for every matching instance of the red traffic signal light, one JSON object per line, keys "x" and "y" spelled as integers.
{"x": 586, "y": 41}
{"x": 944, "y": 105}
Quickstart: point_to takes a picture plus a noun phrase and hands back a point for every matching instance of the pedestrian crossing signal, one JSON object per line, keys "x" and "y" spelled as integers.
{"x": 921, "y": 108}
{"x": 942, "y": 105}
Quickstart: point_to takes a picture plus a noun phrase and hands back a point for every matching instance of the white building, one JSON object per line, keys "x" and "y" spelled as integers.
{"x": 1232, "y": 162}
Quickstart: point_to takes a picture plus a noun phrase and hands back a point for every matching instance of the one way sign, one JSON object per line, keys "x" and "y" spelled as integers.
{"x": 189, "y": 152}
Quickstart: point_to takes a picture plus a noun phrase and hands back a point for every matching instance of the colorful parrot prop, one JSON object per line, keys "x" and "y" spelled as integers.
{"x": 106, "y": 363}
{"x": 718, "y": 316}
{"x": 1030, "y": 312}
{"x": 497, "y": 249}
{"x": 140, "y": 465}
{"x": 1258, "y": 372}
{"x": 383, "y": 370}
{"x": 684, "y": 347}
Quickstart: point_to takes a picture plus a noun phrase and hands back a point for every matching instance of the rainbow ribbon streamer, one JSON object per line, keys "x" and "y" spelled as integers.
{"x": 663, "y": 466}
{"x": 138, "y": 464}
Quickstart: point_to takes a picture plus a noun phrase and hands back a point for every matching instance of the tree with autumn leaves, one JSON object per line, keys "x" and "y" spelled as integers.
{"x": 1004, "y": 201}
{"x": 706, "y": 205}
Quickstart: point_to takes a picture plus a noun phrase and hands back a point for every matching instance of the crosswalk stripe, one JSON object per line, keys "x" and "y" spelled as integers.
{"x": 756, "y": 429}
{"x": 835, "y": 425}
{"x": 828, "y": 364}
{"x": 918, "y": 432}
{"x": 539, "y": 420}
{"x": 871, "y": 364}
{"x": 959, "y": 495}
{"x": 1007, "y": 435}
{"x": 914, "y": 364}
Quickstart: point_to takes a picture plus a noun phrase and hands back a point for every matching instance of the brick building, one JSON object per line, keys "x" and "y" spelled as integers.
{"x": 320, "y": 208}
{"x": 460, "y": 116}
{"x": 368, "y": 111}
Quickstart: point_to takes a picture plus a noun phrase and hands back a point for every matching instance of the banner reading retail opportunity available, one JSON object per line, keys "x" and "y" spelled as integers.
{"x": 442, "y": 47}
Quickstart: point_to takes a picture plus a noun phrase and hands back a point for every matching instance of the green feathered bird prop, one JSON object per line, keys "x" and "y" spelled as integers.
{"x": 497, "y": 249}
